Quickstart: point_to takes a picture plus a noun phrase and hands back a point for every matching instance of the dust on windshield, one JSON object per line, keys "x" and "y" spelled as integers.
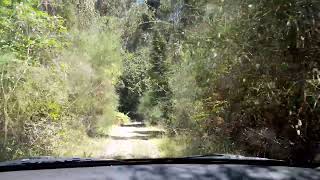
{"x": 160, "y": 78}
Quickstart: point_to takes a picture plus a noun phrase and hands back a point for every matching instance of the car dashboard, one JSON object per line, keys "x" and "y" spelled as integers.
{"x": 167, "y": 172}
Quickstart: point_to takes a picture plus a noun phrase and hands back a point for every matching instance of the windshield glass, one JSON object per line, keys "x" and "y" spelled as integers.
{"x": 160, "y": 78}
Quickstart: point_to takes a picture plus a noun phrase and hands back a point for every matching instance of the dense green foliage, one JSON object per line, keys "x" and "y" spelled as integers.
{"x": 237, "y": 76}
{"x": 55, "y": 80}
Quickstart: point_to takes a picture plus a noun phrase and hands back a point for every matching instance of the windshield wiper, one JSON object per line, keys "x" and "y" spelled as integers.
{"x": 48, "y": 162}
{"x": 237, "y": 159}
{"x": 230, "y": 157}
{"x": 58, "y": 163}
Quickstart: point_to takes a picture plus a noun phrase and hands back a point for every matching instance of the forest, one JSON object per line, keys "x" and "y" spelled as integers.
{"x": 236, "y": 76}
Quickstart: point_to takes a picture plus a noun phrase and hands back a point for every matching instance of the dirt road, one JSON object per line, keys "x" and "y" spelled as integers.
{"x": 133, "y": 140}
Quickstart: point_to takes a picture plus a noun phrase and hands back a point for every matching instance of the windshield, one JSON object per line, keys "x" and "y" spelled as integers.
{"x": 123, "y": 79}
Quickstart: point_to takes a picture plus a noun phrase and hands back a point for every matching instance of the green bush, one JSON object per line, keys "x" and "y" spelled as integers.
{"x": 243, "y": 71}
{"x": 55, "y": 82}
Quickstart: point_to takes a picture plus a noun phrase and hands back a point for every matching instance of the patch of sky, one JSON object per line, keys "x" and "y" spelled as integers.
{"x": 140, "y": 1}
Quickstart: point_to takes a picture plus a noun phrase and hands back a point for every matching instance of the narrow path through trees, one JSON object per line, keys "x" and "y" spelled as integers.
{"x": 133, "y": 140}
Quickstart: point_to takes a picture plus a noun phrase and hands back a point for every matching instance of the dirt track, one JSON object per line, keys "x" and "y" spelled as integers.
{"x": 133, "y": 140}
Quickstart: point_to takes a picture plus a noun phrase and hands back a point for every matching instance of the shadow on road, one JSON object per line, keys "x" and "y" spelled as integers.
{"x": 138, "y": 131}
{"x": 141, "y": 135}
{"x": 134, "y": 125}
{"x": 151, "y": 134}
{"x": 130, "y": 138}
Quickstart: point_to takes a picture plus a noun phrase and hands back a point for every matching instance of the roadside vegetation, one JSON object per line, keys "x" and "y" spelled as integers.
{"x": 237, "y": 76}
{"x": 59, "y": 67}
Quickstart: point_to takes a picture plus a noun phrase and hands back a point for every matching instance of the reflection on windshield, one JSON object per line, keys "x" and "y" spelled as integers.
{"x": 160, "y": 78}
